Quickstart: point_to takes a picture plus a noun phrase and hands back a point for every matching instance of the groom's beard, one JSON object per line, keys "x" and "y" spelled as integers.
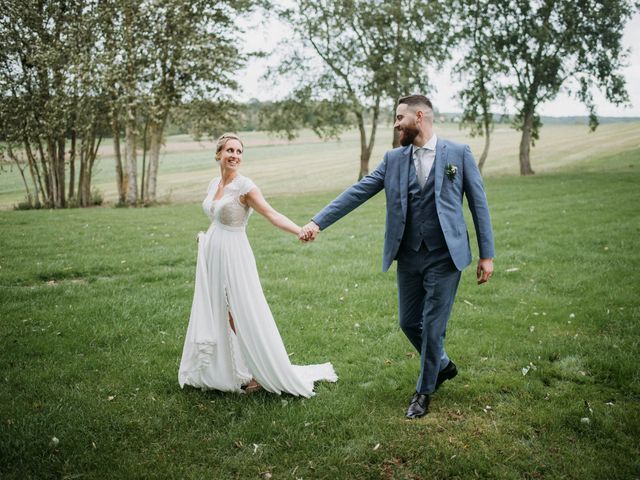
{"x": 407, "y": 135}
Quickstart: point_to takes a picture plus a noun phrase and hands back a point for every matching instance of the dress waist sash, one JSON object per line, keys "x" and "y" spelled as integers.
{"x": 229, "y": 228}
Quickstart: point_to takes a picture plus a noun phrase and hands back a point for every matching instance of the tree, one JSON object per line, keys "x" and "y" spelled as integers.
{"x": 72, "y": 69}
{"x": 45, "y": 88}
{"x": 163, "y": 54}
{"x": 366, "y": 54}
{"x": 548, "y": 45}
{"x": 195, "y": 56}
{"x": 480, "y": 68}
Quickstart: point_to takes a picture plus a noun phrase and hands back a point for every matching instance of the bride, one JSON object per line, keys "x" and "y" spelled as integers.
{"x": 232, "y": 342}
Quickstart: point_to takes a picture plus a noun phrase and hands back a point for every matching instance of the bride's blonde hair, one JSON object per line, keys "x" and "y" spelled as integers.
{"x": 222, "y": 141}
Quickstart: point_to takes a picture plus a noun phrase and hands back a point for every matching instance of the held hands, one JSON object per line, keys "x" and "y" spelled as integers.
{"x": 309, "y": 232}
{"x": 484, "y": 270}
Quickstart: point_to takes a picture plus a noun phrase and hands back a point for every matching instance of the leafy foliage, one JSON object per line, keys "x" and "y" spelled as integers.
{"x": 538, "y": 48}
{"x": 358, "y": 56}
{"x": 74, "y": 70}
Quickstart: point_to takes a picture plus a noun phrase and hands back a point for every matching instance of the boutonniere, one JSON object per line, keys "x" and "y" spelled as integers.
{"x": 450, "y": 171}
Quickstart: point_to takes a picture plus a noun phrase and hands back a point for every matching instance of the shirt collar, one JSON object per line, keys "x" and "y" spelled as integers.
{"x": 430, "y": 145}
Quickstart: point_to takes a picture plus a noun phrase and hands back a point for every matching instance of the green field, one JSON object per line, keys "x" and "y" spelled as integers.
{"x": 310, "y": 165}
{"x": 95, "y": 304}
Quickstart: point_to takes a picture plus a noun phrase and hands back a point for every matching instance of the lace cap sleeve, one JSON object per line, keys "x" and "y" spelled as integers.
{"x": 246, "y": 185}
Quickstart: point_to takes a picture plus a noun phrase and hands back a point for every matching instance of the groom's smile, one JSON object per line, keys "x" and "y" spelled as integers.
{"x": 406, "y": 125}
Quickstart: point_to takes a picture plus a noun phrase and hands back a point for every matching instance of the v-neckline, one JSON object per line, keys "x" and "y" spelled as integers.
{"x": 223, "y": 188}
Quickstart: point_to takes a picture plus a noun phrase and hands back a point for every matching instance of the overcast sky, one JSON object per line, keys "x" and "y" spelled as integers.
{"x": 266, "y": 37}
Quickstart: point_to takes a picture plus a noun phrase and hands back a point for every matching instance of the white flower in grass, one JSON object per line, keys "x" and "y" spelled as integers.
{"x": 585, "y": 420}
{"x": 54, "y": 442}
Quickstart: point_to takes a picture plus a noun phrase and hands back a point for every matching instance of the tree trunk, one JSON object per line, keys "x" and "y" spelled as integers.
{"x": 157, "y": 129}
{"x": 487, "y": 142}
{"x": 60, "y": 171}
{"x": 364, "y": 154}
{"x": 395, "y": 141}
{"x": 144, "y": 186}
{"x": 82, "y": 197}
{"x": 35, "y": 175}
{"x": 46, "y": 195}
{"x": 88, "y": 157}
{"x": 92, "y": 160}
{"x": 54, "y": 193}
{"x": 115, "y": 129}
{"x": 131, "y": 164}
{"x": 72, "y": 164}
{"x": 525, "y": 145}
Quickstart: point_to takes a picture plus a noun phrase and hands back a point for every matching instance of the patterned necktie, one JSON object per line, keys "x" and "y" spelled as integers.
{"x": 421, "y": 175}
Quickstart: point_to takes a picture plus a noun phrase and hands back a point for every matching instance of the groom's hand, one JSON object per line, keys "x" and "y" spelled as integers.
{"x": 484, "y": 270}
{"x": 309, "y": 232}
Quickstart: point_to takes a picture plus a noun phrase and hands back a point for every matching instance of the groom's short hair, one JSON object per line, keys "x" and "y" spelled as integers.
{"x": 418, "y": 101}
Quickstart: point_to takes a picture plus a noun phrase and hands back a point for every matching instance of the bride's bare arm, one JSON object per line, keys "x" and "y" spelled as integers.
{"x": 256, "y": 200}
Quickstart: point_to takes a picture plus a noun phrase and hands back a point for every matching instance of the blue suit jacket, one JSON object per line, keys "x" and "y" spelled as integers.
{"x": 393, "y": 175}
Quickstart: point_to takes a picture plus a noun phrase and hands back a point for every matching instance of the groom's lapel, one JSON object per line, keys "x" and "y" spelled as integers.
{"x": 438, "y": 164}
{"x": 403, "y": 177}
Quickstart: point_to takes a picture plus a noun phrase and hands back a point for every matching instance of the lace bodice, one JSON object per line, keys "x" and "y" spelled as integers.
{"x": 228, "y": 210}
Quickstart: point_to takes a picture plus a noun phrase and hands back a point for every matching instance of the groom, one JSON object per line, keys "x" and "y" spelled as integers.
{"x": 424, "y": 182}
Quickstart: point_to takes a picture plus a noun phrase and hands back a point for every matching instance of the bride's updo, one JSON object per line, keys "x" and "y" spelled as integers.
{"x": 222, "y": 141}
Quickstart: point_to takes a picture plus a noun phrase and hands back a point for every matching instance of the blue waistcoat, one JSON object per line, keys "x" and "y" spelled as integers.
{"x": 422, "y": 218}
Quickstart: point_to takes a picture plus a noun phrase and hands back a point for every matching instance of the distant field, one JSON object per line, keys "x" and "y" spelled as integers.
{"x": 310, "y": 165}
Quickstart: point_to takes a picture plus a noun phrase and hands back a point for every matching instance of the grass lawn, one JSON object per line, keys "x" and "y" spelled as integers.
{"x": 95, "y": 304}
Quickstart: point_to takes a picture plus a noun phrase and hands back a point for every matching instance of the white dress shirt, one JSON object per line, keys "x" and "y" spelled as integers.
{"x": 423, "y": 158}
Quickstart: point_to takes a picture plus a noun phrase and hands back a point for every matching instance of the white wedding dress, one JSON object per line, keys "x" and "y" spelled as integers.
{"x": 214, "y": 357}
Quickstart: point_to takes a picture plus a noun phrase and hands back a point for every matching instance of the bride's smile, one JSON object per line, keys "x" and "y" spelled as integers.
{"x": 231, "y": 155}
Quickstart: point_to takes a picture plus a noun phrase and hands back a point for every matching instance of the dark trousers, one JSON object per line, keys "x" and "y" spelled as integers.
{"x": 427, "y": 285}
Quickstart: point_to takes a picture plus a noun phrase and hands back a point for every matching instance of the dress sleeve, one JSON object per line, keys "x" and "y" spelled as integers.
{"x": 246, "y": 186}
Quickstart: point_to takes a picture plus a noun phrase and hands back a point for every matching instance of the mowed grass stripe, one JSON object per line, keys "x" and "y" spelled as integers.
{"x": 309, "y": 165}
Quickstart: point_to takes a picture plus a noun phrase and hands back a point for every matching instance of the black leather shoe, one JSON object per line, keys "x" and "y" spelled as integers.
{"x": 447, "y": 373}
{"x": 419, "y": 406}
